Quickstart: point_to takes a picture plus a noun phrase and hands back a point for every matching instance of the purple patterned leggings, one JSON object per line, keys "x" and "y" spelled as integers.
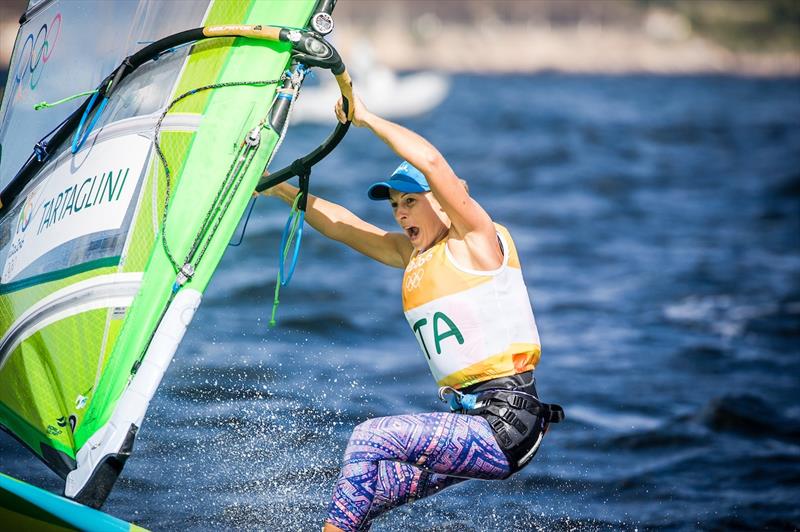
{"x": 390, "y": 461}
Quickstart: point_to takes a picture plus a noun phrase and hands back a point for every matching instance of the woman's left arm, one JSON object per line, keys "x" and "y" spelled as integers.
{"x": 467, "y": 216}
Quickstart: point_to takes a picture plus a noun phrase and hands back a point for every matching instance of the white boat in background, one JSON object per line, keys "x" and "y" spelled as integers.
{"x": 383, "y": 91}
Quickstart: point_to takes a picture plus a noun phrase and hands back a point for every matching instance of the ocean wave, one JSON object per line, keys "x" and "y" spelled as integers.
{"x": 749, "y": 415}
{"x": 723, "y": 314}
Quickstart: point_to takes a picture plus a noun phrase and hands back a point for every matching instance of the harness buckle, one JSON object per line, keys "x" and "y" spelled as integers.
{"x": 518, "y": 402}
{"x": 509, "y": 417}
{"x": 457, "y": 400}
{"x": 497, "y": 424}
{"x": 512, "y": 419}
{"x": 503, "y": 438}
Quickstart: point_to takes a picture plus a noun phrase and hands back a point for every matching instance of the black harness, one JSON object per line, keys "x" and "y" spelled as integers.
{"x": 511, "y": 406}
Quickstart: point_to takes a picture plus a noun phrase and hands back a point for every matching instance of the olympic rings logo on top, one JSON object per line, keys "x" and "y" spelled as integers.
{"x": 414, "y": 279}
{"x": 36, "y": 51}
{"x": 420, "y": 260}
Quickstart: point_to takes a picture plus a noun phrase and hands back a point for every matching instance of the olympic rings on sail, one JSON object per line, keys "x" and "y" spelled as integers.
{"x": 38, "y": 50}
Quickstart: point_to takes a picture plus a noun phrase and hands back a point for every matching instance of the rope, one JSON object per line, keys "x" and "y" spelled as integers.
{"x": 81, "y": 135}
{"x": 297, "y": 83}
{"x": 240, "y": 172}
{"x": 46, "y": 105}
{"x": 187, "y": 270}
{"x": 296, "y": 80}
{"x": 293, "y": 230}
{"x": 294, "y": 226}
{"x": 246, "y": 221}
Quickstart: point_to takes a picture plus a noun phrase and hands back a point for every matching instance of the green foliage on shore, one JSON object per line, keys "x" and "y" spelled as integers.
{"x": 741, "y": 25}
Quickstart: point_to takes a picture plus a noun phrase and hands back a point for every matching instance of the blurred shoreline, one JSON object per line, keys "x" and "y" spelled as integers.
{"x": 585, "y": 49}
{"x": 743, "y": 37}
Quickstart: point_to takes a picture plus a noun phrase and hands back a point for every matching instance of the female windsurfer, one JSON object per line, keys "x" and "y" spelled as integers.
{"x": 465, "y": 300}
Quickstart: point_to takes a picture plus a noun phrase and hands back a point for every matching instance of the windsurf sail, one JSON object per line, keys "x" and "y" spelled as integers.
{"x": 118, "y": 205}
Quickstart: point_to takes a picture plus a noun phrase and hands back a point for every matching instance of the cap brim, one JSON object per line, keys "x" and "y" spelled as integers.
{"x": 380, "y": 190}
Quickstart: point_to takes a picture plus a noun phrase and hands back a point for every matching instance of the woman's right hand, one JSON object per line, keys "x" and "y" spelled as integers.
{"x": 283, "y": 191}
{"x": 274, "y": 190}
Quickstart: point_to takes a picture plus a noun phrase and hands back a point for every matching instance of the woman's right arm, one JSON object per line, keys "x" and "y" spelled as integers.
{"x": 338, "y": 223}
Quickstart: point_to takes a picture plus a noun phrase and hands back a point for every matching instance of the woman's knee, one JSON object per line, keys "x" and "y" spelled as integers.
{"x": 364, "y": 432}
{"x": 359, "y": 446}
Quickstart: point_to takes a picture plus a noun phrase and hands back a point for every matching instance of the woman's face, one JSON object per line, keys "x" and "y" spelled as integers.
{"x": 420, "y": 216}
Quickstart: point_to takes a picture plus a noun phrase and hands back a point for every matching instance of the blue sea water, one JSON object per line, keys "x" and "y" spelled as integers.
{"x": 658, "y": 221}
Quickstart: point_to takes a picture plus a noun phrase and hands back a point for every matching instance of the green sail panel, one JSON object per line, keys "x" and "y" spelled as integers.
{"x": 89, "y": 317}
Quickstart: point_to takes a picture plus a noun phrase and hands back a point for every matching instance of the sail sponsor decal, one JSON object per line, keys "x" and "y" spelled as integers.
{"x": 75, "y": 201}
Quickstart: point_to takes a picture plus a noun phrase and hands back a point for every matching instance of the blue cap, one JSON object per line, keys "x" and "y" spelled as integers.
{"x": 405, "y": 179}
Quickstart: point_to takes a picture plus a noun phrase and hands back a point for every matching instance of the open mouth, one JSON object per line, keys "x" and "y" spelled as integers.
{"x": 412, "y": 232}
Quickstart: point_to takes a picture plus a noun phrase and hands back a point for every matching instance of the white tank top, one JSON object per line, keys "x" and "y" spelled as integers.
{"x": 472, "y": 325}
